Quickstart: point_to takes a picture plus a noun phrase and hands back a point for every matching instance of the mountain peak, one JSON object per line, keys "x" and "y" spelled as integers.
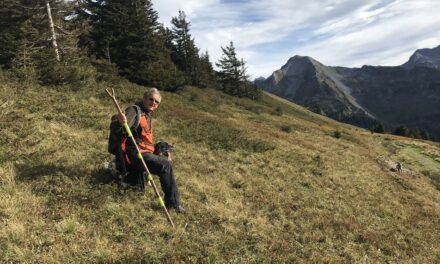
{"x": 429, "y": 58}
{"x": 260, "y": 78}
{"x": 295, "y": 66}
{"x": 298, "y": 64}
{"x": 298, "y": 59}
{"x": 367, "y": 95}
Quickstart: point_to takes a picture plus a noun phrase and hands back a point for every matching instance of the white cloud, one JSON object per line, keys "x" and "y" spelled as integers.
{"x": 170, "y": 8}
{"x": 336, "y": 32}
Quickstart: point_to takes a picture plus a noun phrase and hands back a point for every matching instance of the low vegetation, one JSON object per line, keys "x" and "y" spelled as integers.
{"x": 261, "y": 184}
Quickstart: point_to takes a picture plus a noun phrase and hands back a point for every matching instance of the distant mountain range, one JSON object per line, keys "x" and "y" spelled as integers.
{"x": 429, "y": 58}
{"x": 401, "y": 95}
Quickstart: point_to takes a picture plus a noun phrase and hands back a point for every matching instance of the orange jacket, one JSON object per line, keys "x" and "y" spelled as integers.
{"x": 143, "y": 134}
{"x": 146, "y": 142}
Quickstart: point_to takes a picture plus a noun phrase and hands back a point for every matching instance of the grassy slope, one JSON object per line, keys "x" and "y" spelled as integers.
{"x": 260, "y": 186}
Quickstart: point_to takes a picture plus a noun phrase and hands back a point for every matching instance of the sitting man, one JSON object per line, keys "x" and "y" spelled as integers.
{"x": 144, "y": 137}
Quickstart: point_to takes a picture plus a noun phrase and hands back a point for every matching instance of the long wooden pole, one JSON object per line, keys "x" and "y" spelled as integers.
{"x": 150, "y": 177}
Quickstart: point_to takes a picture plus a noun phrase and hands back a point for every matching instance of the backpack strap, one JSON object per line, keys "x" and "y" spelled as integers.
{"x": 133, "y": 114}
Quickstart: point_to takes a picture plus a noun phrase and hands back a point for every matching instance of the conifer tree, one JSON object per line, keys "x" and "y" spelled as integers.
{"x": 415, "y": 133}
{"x": 402, "y": 130}
{"x": 128, "y": 34}
{"x": 248, "y": 88}
{"x": 425, "y": 135}
{"x": 12, "y": 15}
{"x": 206, "y": 72}
{"x": 30, "y": 52}
{"x": 230, "y": 73}
{"x": 62, "y": 62}
{"x": 379, "y": 128}
{"x": 167, "y": 38}
{"x": 185, "y": 53}
{"x": 233, "y": 75}
{"x": 23, "y": 63}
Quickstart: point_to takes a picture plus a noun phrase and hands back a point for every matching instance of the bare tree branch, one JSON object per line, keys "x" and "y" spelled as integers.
{"x": 64, "y": 31}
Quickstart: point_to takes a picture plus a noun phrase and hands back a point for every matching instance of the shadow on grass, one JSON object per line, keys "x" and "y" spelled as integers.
{"x": 32, "y": 171}
{"x": 435, "y": 178}
{"x": 102, "y": 176}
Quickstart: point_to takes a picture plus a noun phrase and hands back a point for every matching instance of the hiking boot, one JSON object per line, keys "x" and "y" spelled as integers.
{"x": 123, "y": 185}
{"x": 179, "y": 209}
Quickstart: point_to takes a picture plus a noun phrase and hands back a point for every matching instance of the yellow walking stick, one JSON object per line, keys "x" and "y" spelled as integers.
{"x": 139, "y": 155}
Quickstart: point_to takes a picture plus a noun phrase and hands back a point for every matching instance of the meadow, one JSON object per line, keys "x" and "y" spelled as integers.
{"x": 264, "y": 182}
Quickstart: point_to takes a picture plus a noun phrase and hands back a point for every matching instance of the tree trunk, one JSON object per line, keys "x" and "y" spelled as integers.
{"x": 108, "y": 52}
{"x": 52, "y": 29}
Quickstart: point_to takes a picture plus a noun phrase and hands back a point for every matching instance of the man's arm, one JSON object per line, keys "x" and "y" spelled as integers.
{"x": 122, "y": 118}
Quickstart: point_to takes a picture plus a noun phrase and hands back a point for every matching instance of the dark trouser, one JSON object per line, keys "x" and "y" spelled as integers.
{"x": 162, "y": 167}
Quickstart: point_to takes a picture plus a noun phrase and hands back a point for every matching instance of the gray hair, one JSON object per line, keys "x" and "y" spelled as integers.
{"x": 150, "y": 91}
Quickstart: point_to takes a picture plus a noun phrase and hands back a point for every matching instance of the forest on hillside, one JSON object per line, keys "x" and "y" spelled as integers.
{"x": 81, "y": 42}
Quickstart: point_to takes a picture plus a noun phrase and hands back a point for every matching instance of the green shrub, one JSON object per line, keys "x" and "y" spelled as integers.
{"x": 337, "y": 134}
{"x": 3, "y": 76}
{"x": 217, "y": 135}
{"x": 106, "y": 71}
{"x": 62, "y": 74}
{"x": 193, "y": 97}
{"x": 286, "y": 128}
{"x": 26, "y": 75}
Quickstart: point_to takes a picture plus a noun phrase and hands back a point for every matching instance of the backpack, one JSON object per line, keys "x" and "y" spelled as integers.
{"x": 117, "y": 132}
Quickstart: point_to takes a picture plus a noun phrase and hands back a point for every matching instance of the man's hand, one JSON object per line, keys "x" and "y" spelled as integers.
{"x": 122, "y": 119}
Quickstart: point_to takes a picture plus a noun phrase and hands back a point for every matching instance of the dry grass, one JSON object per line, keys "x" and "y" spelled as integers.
{"x": 255, "y": 192}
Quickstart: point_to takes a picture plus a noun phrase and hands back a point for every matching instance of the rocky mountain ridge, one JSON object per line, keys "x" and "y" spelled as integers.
{"x": 429, "y": 58}
{"x": 402, "y": 95}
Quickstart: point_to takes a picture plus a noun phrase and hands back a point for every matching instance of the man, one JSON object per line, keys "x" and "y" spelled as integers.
{"x": 144, "y": 138}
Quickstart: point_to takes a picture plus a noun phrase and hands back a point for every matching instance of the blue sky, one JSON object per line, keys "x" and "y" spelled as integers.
{"x": 351, "y": 33}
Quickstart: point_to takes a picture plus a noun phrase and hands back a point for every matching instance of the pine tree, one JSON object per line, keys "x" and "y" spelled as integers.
{"x": 13, "y": 13}
{"x": 206, "y": 72}
{"x": 233, "y": 75}
{"x": 23, "y": 63}
{"x": 402, "y": 130}
{"x": 167, "y": 38}
{"x": 61, "y": 61}
{"x": 248, "y": 88}
{"x": 31, "y": 51}
{"x": 425, "y": 135}
{"x": 8, "y": 32}
{"x": 185, "y": 53}
{"x": 415, "y": 133}
{"x": 230, "y": 75}
{"x": 379, "y": 128}
{"x": 245, "y": 87}
{"x": 128, "y": 34}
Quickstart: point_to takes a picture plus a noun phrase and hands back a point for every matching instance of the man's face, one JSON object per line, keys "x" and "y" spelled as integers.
{"x": 152, "y": 102}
